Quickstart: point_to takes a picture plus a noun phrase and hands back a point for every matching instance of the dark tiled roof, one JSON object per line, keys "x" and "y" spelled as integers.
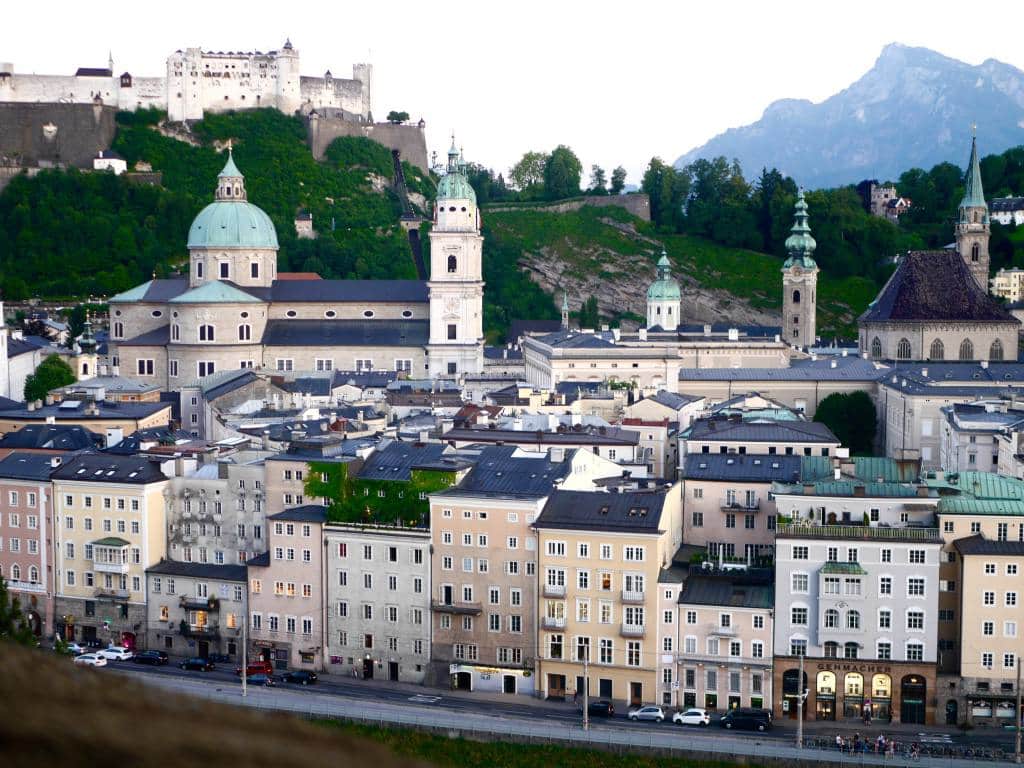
{"x": 396, "y": 460}
{"x": 611, "y": 512}
{"x": 503, "y": 353}
{"x": 979, "y": 545}
{"x": 364, "y": 379}
{"x": 310, "y": 513}
{"x": 116, "y": 410}
{"x": 518, "y": 328}
{"x": 577, "y": 340}
{"x": 27, "y": 466}
{"x": 58, "y": 437}
{"x": 234, "y": 383}
{"x": 751, "y": 468}
{"x": 499, "y": 473}
{"x": 261, "y": 560}
{"x": 761, "y": 431}
{"x": 846, "y": 369}
{"x": 934, "y": 285}
{"x": 158, "y": 337}
{"x": 1006, "y": 204}
{"x": 346, "y": 333}
{"x": 357, "y": 291}
{"x": 753, "y": 589}
{"x": 92, "y": 72}
{"x": 674, "y": 401}
{"x": 108, "y": 468}
{"x": 200, "y": 570}
{"x": 7, "y": 404}
{"x": 586, "y": 436}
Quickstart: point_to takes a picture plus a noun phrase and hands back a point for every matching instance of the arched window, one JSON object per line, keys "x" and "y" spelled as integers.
{"x": 244, "y": 332}
{"x": 118, "y": 330}
{"x": 966, "y": 350}
{"x": 853, "y": 620}
{"x": 15, "y": 572}
{"x": 206, "y": 333}
{"x": 85, "y": 369}
{"x": 453, "y": 264}
{"x": 975, "y": 252}
{"x": 937, "y": 351}
{"x": 903, "y": 350}
{"x": 876, "y": 348}
{"x": 796, "y": 296}
{"x": 832, "y": 618}
{"x": 831, "y": 650}
{"x": 850, "y": 651}
{"x": 33, "y": 574}
{"x": 995, "y": 352}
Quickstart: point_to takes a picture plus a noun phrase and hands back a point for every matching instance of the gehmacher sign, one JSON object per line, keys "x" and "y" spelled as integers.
{"x": 827, "y": 666}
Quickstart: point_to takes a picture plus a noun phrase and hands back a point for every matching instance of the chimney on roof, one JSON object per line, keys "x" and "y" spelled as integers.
{"x": 833, "y": 364}
{"x": 55, "y": 461}
{"x": 643, "y": 334}
{"x": 924, "y": 372}
{"x": 707, "y": 329}
{"x": 424, "y": 435}
{"x": 984, "y": 364}
{"x": 556, "y": 454}
{"x": 49, "y": 399}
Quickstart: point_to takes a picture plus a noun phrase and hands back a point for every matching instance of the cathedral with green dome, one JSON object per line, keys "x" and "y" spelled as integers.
{"x": 234, "y": 310}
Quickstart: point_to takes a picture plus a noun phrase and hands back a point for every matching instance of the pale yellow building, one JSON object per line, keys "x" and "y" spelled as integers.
{"x": 109, "y": 528}
{"x": 600, "y": 556}
{"x": 1008, "y": 284}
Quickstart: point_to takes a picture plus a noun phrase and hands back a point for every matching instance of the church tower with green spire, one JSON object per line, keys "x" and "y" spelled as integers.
{"x": 972, "y": 225}
{"x": 800, "y": 282}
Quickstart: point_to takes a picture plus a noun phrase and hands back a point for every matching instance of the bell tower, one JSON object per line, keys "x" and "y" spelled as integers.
{"x": 800, "y": 282}
{"x": 456, "y": 287}
{"x": 972, "y": 224}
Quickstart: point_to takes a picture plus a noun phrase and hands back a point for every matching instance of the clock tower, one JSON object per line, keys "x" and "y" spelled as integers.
{"x": 456, "y": 277}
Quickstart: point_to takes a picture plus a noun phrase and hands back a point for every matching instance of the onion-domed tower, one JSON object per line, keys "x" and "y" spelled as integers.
{"x": 800, "y": 282}
{"x": 664, "y": 298}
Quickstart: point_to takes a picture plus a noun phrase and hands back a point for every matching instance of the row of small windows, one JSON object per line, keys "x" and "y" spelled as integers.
{"x": 208, "y": 333}
{"x": 224, "y": 268}
{"x": 937, "y": 350}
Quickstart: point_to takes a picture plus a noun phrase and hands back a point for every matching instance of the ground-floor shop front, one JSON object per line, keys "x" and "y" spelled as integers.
{"x": 717, "y": 687}
{"x": 624, "y": 686}
{"x": 856, "y": 690}
{"x": 376, "y": 666}
{"x": 284, "y": 655}
{"x": 101, "y": 622}
{"x": 478, "y": 677}
{"x": 977, "y": 701}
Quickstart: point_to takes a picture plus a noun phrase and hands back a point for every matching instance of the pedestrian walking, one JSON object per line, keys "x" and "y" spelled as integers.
{"x": 839, "y": 742}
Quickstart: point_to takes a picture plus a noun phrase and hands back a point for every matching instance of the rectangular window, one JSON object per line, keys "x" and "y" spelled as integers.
{"x": 799, "y": 553}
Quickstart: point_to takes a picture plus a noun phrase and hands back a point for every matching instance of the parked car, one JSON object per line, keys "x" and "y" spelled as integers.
{"x": 657, "y": 714}
{"x": 300, "y": 677}
{"x": 153, "y": 658}
{"x": 116, "y": 653}
{"x": 692, "y": 717}
{"x": 255, "y": 668}
{"x": 219, "y": 658}
{"x": 197, "y": 662}
{"x": 749, "y": 720}
{"x": 260, "y": 678}
{"x": 600, "y": 708}
{"x": 91, "y": 660}
{"x": 73, "y": 649}
{"x": 767, "y": 713}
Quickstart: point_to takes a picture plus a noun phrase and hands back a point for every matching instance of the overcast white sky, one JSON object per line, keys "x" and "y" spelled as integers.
{"x": 618, "y": 82}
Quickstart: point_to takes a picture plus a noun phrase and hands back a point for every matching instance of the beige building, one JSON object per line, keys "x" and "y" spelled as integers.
{"x": 1008, "y": 284}
{"x": 102, "y": 418}
{"x": 110, "y": 527}
{"x": 600, "y": 558}
{"x": 484, "y": 565}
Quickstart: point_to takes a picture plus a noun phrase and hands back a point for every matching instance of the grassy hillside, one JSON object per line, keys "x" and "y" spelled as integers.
{"x": 621, "y": 251}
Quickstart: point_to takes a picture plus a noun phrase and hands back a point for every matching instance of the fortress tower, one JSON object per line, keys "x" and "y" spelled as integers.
{"x": 800, "y": 282}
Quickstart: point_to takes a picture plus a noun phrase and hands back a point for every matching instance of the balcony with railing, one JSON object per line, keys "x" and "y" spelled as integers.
{"x": 633, "y": 630}
{"x": 741, "y": 506}
{"x": 554, "y": 590}
{"x": 467, "y": 609}
{"x": 199, "y": 603}
{"x": 717, "y": 630}
{"x": 110, "y": 593}
{"x": 199, "y": 631}
{"x": 633, "y": 596}
{"x": 553, "y": 622}
{"x": 807, "y": 530}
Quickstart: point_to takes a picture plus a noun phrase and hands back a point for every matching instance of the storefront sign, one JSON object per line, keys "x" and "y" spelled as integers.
{"x": 826, "y": 666}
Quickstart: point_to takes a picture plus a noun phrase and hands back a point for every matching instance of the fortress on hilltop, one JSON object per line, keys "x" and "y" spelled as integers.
{"x": 197, "y": 81}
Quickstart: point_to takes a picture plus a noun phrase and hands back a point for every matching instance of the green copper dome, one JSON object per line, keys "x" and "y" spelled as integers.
{"x": 455, "y": 186}
{"x": 665, "y": 288}
{"x": 231, "y": 221}
{"x": 800, "y": 245}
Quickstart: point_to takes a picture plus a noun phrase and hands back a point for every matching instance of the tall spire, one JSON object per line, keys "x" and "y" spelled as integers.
{"x": 800, "y": 245}
{"x": 453, "y": 156}
{"x": 974, "y": 195}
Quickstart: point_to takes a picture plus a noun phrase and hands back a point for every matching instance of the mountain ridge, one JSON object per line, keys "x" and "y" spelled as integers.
{"x": 913, "y": 108}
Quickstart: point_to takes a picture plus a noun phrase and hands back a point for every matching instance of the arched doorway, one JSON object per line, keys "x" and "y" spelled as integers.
{"x": 853, "y": 694}
{"x": 913, "y": 690}
{"x": 463, "y": 681}
{"x": 791, "y": 691}
{"x": 35, "y": 622}
{"x": 951, "y": 712}
{"x": 881, "y": 697}
{"x": 825, "y": 696}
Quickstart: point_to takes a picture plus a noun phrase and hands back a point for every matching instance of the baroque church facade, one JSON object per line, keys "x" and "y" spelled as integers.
{"x": 936, "y": 305}
{"x": 234, "y": 310}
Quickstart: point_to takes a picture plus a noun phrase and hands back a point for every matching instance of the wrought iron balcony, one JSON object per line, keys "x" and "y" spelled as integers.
{"x": 633, "y": 630}
{"x": 472, "y": 609}
{"x": 741, "y": 506}
{"x": 554, "y": 590}
{"x": 553, "y": 622}
{"x": 102, "y": 593}
{"x": 633, "y": 596}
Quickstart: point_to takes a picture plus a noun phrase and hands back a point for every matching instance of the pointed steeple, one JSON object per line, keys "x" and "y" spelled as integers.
{"x": 453, "y": 156}
{"x": 800, "y": 245}
{"x": 87, "y": 342}
{"x": 974, "y": 195}
{"x": 230, "y": 181}
{"x": 664, "y": 266}
{"x": 565, "y": 311}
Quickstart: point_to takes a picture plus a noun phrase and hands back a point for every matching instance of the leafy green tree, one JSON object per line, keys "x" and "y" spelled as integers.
{"x": 76, "y": 323}
{"x": 398, "y": 117}
{"x": 562, "y": 174}
{"x": 851, "y": 416}
{"x": 51, "y": 373}
{"x": 667, "y": 190}
{"x": 618, "y": 181}
{"x": 589, "y": 314}
{"x": 36, "y": 327}
{"x": 597, "y": 181}
{"x": 14, "y": 625}
{"x": 528, "y": 174}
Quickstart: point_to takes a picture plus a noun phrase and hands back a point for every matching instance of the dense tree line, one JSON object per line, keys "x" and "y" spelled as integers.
{"x": 540, "y": 176}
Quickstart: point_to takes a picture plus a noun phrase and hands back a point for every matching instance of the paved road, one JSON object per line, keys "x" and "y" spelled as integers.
{"x": 416, "y": 699}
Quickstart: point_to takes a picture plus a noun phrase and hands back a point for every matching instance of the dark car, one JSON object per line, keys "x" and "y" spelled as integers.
{"x": 196, "y": 662}
{"x": 153, "y": 658}
{"x": 260, "y": 678}
{"x": 600, "y": 709}
{"x": 748, "y": 720}
{"x": 756, "y": 711}
{"x": 299, "y": 677}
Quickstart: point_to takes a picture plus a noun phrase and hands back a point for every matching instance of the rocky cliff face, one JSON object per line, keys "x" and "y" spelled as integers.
{"x": 914, "y": 108}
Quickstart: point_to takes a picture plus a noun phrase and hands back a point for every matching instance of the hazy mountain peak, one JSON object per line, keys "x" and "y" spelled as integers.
{"x": 913, "y": 108}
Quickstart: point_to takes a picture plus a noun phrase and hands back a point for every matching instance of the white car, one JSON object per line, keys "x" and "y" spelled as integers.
{"x": 692, "y": 717}
{"x": 657, "y": 714}
{"x": 91, "y": 660}
{"x": 116, "y": 653}
{"x": 74, "y": 649}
